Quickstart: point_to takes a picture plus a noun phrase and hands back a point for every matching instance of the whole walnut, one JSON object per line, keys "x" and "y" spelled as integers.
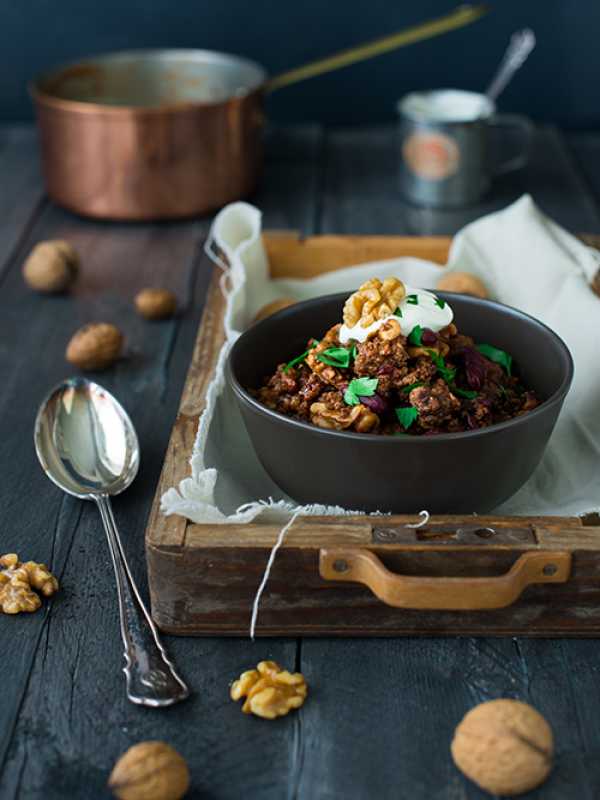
{"x": 155, "y": 303}
{"x": 463, "y": 283}
{"x": 150, "y": 771}
{"x": 95, "y": 346}
{"x": 504, "y": 746}
{"x": 51, "y": 266}
{"x": 595, "y": 284}
{"x": 272, "y": 307}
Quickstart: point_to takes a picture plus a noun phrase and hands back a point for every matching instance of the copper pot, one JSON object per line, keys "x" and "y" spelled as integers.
{"x": 151, "y": 134}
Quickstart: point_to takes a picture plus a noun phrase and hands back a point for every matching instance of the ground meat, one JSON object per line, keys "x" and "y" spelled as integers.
{"x": 331, "y": 412}
{"x": 458, "y": 342}
{"x": 376, "y": 353}
{"x": 461, "y": 390}
{"x": 291, "y": 392}
{"x": 422, "y": 372}
{"x": 435, "y": 404}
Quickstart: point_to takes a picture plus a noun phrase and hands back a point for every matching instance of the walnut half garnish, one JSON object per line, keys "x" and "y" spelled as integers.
{"x": 358, "y": 417}
{"x": 374, "y": 300}
{"x": 269, "y": 690}
{"x": 17, "y": 582}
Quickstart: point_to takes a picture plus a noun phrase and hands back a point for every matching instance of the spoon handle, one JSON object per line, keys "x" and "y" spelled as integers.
{"x": 151, "y": 677}
{"x": 520, "y": 45}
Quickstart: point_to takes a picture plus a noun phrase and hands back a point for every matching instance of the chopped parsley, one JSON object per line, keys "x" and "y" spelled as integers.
{"x": 408, "y": 389}
{"x": 300, "y": 358}
{"x": 412, "y": 299}
{"x": 447, "y": 373}
{"x": 496, "y": 355}
{"x": 468, "y": 393}
{"x": 360, "y": 387}
{"x": 335, "y": 357}
{"x": 406, "y": 416}
{"x": 440, "y": 303}
{"x": 415, "y": 336}
{"x": 398, "y": 312}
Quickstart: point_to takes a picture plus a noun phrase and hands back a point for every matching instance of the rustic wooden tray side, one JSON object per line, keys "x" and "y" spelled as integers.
{"x": 203, "y": 577}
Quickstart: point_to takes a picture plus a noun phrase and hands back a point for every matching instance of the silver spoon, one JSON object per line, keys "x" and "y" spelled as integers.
{"x": 88, "y": 447}
{"x": 520, "y": 46}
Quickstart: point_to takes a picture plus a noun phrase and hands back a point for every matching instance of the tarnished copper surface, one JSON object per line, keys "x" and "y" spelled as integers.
{"x": 158, "y": 161}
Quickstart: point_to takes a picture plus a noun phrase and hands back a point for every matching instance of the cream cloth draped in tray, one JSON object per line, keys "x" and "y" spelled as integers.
{"x": 524, "y": 258}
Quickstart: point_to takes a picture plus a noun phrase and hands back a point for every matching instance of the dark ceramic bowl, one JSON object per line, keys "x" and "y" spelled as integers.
{"x": 466, "y": 472}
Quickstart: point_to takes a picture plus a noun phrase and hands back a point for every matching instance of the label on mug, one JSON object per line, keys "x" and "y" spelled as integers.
{"x": 433, "y": 156}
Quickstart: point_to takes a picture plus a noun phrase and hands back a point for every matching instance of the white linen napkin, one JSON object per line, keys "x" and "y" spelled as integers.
{"x": 524, "y": 258}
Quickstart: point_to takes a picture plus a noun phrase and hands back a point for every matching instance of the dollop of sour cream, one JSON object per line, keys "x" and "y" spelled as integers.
{"x": 418, "y": 307}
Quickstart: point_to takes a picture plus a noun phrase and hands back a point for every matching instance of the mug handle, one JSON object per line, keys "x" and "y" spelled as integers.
{"x": 524, "y": 129}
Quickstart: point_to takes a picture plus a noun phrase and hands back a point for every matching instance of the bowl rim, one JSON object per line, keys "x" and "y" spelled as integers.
{"x": 556, "y": 398}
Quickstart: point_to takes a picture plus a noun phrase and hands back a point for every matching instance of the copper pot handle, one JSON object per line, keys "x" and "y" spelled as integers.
{"x": 457, "y": 594}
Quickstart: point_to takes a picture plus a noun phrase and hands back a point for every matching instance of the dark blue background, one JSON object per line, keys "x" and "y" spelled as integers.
{"x": 558, "y": 84}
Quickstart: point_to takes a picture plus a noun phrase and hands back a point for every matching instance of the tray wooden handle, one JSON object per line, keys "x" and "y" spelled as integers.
{"x": 456, "y": 594}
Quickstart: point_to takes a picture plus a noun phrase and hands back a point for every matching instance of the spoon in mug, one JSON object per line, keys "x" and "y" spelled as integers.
{"x": 88, "y": 447}
{"x": 520, "y": 46}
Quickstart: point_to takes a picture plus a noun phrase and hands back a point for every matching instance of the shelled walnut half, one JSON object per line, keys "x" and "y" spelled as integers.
{"x": 18, "y": 582}
{"x": 270, "y": 691}
{"x": 373, "y": 300}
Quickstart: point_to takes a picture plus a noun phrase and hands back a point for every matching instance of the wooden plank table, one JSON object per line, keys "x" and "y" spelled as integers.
{"x": 381, "y": 712}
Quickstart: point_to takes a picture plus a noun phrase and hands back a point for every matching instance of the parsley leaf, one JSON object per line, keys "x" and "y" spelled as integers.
{"x": 360, "y": 387}
{"x": 335, "y": 357}
{"x": 415, "y": 336}
{"x": 440, "y": 303}
{"x": 496, "y": 355}
{"x": 447, "y": 373}
{"x": 301, "y": 357}
{"x": 468, "y": 393}
{"x": 406, "y": 416}
{"x": 412, "y": 299}
{"x": 408, "y": 389}
{"x": 295, "y": 361}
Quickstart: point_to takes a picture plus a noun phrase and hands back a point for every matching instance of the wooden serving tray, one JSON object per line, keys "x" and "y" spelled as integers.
{"x": 361, "y": 576}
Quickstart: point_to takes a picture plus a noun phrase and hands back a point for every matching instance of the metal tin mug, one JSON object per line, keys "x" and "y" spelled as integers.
{"x": 445, "y": 157}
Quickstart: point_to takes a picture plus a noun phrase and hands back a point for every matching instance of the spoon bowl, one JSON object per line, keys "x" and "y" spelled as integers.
{"x": 88, "y": 447}
{"x": 85, "y": 441}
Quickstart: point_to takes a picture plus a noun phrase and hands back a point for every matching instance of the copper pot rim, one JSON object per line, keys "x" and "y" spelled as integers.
{"x": 45, "y": 98}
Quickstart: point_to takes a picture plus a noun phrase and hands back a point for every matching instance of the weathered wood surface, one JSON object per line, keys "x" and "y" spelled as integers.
{"x": 209, "y": 587}
{"x": 381, "y": 712}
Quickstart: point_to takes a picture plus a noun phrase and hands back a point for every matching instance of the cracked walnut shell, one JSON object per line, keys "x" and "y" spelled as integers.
{"x": 150, "y": 771}
{"x": 18, "y": 581}
{"x": 504, "y": 746}
{"x": 374, "y": 300}
{"x": 95, "y": 346}
{"x": 269, "y": 690}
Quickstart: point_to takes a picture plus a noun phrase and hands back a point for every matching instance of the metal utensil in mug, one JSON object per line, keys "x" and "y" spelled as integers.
{"x": 444, "y": 135}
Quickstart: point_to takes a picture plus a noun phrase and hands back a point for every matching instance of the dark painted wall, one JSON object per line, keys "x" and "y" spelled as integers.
{"x": 560, "y": 83}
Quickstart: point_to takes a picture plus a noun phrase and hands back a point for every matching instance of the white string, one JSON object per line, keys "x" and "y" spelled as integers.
{"x": 426, "y": 517}
{"x": 268, "y": 568}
